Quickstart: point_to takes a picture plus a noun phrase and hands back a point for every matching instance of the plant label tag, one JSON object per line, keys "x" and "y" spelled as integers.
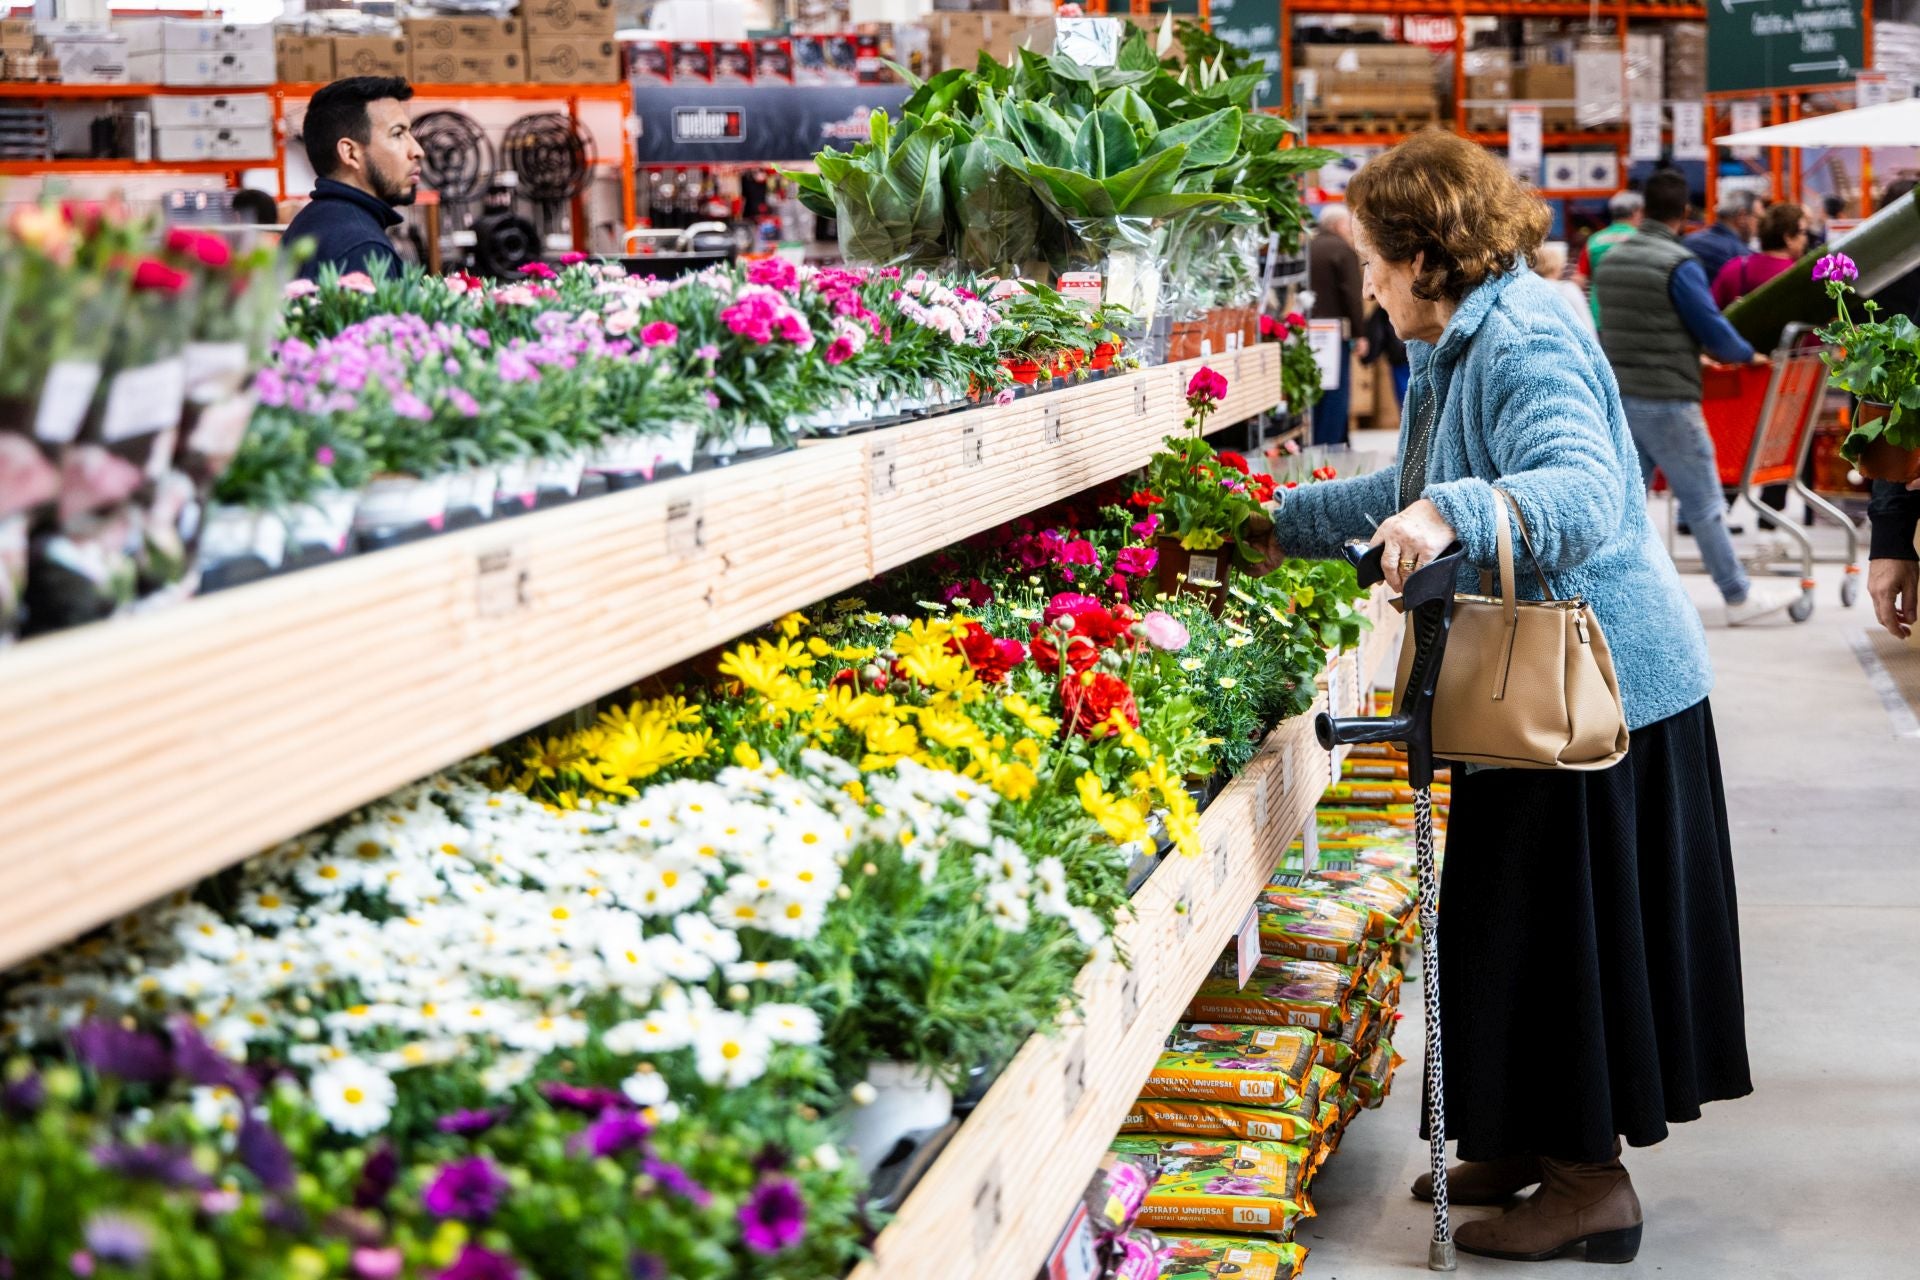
{"x": 1050, "y": 423}
{"x": 973, "y": 446}
{"x": 143, "y": 400}
{"x": 64, "y": 399}
{"x": 503, "y": 583}
{"x": 1310, "y": 845}
{"x": 1219, "y": 865}
{"x": 880, "y": 469}
{"x": 1073, "y": 1257}
{"x": 1203, "y": 570}
{"x": 686, "y": 528}
{"x": 1074, "y": 1077}
{"x": 1140, "y": 397}
{"x": 1085, "y": 286}
{"x": 1130, "y": 995}
{"x": 1246, "y": 944}
{"x": 1260, "y": 798}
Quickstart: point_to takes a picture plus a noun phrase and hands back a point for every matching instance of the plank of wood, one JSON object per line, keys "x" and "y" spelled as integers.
{"x": 997, "y": 1198}
{"x": 148, "y": 752}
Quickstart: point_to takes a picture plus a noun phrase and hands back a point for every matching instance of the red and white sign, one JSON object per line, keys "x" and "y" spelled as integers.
{"x": 1435, "y": 31}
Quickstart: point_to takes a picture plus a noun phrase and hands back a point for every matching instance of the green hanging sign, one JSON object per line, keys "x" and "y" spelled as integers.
{"x": 1253, "y": 25}
{"x": 1780, "y": 44}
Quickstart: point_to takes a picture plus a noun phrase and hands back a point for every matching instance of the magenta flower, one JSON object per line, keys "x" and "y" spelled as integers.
{"x": 476, "y": 1263}
{"x": 792, "y": 327}
{"x": 299, "y": 289}
{"x": 660, "y": 334}
{"x": 1145, "y": 529}
{"x": 775, "y": 272}
{"x": 467, "y": 1123}
{"x": 774, "y": 1218}
{"x": 1207, "y": 385}
{"x": 586, "y": 1099}
{"x": 1080, "y": 551}
{"x": 674, "y": 1180}
{"x": 469, "y": 1189}
{"x": 840, "y": 350}
{"x": 539, "y": 271}
{"x": 466, "y": 404}
{"x": 1836, "y": 266}
{"x": 617, "y": 1130}
{"x": 409, "y": 405}
{"x": 573, "y": 259}
{"x": 1136, "y": 562}
{"x": 1165, "y": 632}
{"x": 377, "y": 1264}
{"x": 1004, "y": 396}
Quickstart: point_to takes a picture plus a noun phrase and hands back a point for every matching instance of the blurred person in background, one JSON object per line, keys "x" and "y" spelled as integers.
{"x": 1903, "y": 295}
{"x": 1333, "y": 273}
{"x": 1659, "y": 318}
{"x": 1384, "y": 346}
{"x": 1785, "y": 232}
{"x": 1731, "y": 235}
{"x": 1550, "y": 264}
{"x": 1625, "y": 208}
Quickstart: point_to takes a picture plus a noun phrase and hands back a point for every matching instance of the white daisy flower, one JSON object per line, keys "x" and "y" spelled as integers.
{"x": 353, "y": 1096}
{"x": 710, "y": 940}
{"x": 1005, "y": 863}
{"x": 645, "y": 1088}
{"x": 787, "y": 1023}
{"x": 1007, "y": 905}
{"x": 794, "y": 918}
{"x": 778, "y": 972}
{"x": 663, "y": 886}
{"x": 729, "y": 1050}
{"x": 217, "y": 1109}
{"x": 545, "y": 1033}
{"x": 1050, "y": 879}
{"x": 326, "y": 877}
{"x": 268, "y": 906}
{"x": 678, "y": 960}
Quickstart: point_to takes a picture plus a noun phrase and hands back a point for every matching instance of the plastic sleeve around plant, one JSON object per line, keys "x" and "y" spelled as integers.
{"x": 1130, "y": 256}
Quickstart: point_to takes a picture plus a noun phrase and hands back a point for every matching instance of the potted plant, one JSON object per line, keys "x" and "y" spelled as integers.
{"x": 1878, "y": 361}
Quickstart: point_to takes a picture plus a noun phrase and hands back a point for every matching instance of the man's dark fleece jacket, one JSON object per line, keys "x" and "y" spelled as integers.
{"x": 348, "y": 228}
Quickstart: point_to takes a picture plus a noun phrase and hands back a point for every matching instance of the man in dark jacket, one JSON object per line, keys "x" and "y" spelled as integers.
{"x": 360, "y": 141}
{"x": 1730, "y": 236}
{"x": 1333, "y": 273}
{"x": 1893, "y": 564}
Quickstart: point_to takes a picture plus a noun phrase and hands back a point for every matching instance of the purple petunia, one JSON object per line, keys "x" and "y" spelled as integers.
{"x": 588, "y": 1099}
{"x": 618, "y": 1130}
{"x": 774, "y": 1217}
{"x": 470, "y": 1190}
{"x": 200, "y": 1063}
{"x": 646, "y": 1266}
{"x": 152, "y": 1162}
{"x": 476, "y": 1263}
{"x": 118, "y": 1239}
{"x": 265, "y": 1155}
{"x": 466, "y": 1124}
{"x": 114, "y": 1050}
{"x": 1836, "y": 266}
{"x": 674, "y": 1180}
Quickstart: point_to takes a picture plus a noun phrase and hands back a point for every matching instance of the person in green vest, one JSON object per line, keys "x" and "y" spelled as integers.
{"x": 1660, "y": 317}
{"x": 1626, "y": 208}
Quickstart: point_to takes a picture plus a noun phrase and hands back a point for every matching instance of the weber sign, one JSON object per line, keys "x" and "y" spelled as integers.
{"x": 709, "y": 124}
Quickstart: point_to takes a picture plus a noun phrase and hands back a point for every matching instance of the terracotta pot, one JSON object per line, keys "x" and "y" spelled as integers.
{"x": 1882, "y": 459}
{"x": 1186, "y": 339}
{"x": 1194, "y": 573}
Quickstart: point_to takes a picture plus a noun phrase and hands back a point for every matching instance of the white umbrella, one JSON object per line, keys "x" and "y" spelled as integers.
{"x": 1891, "y": 124}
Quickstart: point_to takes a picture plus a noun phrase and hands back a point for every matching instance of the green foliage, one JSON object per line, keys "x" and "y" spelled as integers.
{"x": 1879, "y": 362}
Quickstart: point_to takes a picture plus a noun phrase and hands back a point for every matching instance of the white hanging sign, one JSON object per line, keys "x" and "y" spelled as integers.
{"x": 1645, "y": 121}
{"x": 1525, "y": 143}
{"x": 1689, "y": 131}
{"x": 1324, "y": 337}
{"x": 1742, "y": 116}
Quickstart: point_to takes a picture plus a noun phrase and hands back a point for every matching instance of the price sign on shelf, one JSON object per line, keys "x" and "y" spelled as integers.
{"x": 1689, "y": 131}
{"x": 1324, "y": 337}
{"x": 1644, "y": 122}
{"x": 1526, "y": 141}
{"x": 1742, "y": 116}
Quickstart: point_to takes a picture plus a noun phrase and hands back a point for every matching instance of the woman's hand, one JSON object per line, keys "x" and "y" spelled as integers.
{"x": 1413, "y": 538}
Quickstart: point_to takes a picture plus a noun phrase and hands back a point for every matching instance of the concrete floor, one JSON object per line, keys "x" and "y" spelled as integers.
{"x": 1815, "y": 1175}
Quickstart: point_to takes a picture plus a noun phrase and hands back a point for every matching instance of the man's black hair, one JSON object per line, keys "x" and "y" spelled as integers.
{"x": 340, "y": 111}
{"x": 1667, "y": 196}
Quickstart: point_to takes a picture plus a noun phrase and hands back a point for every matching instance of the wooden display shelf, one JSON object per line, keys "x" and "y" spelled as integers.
{"x": 998, "y": 1196}
{"x": 144, "y": 753}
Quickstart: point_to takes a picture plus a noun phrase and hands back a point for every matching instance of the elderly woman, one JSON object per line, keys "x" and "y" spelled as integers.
{"x": 1592, "y": 956}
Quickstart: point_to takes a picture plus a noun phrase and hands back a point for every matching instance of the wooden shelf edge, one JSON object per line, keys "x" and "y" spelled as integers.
{"x": 212, "y": 730}
{"x": 998, "y": 1196}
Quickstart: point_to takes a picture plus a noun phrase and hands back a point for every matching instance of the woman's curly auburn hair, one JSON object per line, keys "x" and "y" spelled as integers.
{"x": 1438, "y": 194}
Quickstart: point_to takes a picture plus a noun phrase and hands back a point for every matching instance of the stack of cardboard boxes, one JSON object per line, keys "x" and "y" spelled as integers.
{"x": 64, "y": 52}
{"x": 1490, "y": 77}
{"x": 1374, "y": 84}
{"x": 546, "y": 42}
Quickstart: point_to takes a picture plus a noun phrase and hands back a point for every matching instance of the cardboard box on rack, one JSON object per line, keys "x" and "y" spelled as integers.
{"x": 302, "y": 58}
{"x": 650, "y": 61}
{"x": 219, "y": 111}
{"x": 572, "y": 60}
{"x": 214, "y": 142}
{"x": 467, "y": 66}
{"x": 370, "y": 56}
{"x": 1549, "y": 83}
{"x": 193, "y": 35}
{"x": 16, "y": 35}
{"x": 960, "y": 38}
{"x": 583, "y": 18}
{"x": 94, "y": 59}
{"x": 465, "y": 35}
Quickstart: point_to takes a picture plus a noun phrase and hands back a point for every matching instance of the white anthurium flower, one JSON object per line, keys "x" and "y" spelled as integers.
{"x": 729, "y": 1050}
{"x": 787, "y": 1023}
{"x": 353, "y": 1096}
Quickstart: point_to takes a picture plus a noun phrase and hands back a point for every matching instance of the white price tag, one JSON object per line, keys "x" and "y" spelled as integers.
{"x": 1643, "y": 131}
{"x": 64, "y": 399}
{"x": 1526, "y": 143}
{"x": 1689, "y": 131}
{"x": 221, "y": 363}
{"x": 143, "y": 400}
{"x": 1324, "y": 337}
{"x": 1310, "y": 840}
{"x": 1742, "y": 117}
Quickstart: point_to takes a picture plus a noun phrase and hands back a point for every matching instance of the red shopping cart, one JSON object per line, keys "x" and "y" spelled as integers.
{"x": 1761, "y": 418}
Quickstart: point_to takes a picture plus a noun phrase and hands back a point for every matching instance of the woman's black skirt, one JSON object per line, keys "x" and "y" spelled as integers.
{"x": 1590, "y": 950}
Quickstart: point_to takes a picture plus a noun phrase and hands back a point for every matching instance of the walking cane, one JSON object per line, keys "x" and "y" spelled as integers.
{"x": 1427, "y": 602}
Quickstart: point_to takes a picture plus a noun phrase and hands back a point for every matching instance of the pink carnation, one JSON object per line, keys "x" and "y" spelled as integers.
{"x": 357, "y": 282}
{"x": 660, "y": 334}
{"x": 775, "y": 272}
{"x": 1165, "y": 632}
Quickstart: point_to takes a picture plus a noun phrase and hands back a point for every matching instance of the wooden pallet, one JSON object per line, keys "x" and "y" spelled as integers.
{"x": 1371, "y": 122}
{"x": 145, "y": 753}
{"x": 994, "y": 1202}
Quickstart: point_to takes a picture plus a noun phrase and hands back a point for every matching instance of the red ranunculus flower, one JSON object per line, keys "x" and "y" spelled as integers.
{"x": 973, "y": 592}
{"x": 1082, "y": 653}
{"x": 1295, "y": 321}
{"x": 1261, "y": 486}
{"x": 1145, "y": 498}
{"x": 1090, "y": 618}
{"x": 1270, "y": 328}
{"x": 990, "y": 657}
{"x": 1228, "y": 458}
{"x": 1090, "y": 700}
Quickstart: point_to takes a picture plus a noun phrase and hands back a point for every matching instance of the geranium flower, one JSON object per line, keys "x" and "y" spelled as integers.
{"x": 774, "y": 1217}
{"x": 1206, "y": 385}
{"x": 469, "y": 1189}
{"x": 572, "y": 259}
{"x": 1836, "y": 266}
{"x": 1270, "y": 328}
{"x": 1146, "y": 529}
{"x": 1296, "y": 322}
{"x": 991, "y": 658}
{"x": 1228, "y": 458}
{"x": 1144, "y": 498}
{"x": 1136, "y": 562}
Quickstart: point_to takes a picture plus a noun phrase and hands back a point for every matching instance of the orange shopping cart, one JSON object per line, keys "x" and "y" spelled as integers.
{"x": 1761, "y": 418}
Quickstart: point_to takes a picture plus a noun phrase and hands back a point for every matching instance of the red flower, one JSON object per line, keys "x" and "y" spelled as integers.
{"x": 1091, "y": 700}
{"x": 1145, "y": 498}
{"x": 1270, "y": 328}
{"x": 1207, "y": 385}
{"x": 1228, "y": 458}
{"x": 158, "y": 276}
{"x": 1082, "y": 653}
{"x": 573, "y": 259}
{"x": 972, "y": 591}
{"x": 1261, "y": 487}
{"x": 1324, "y": 473}
{"x": 1090, "y": 618}
{"x": 1117, "y": 583}
{"x": 991, "y": 658}
{"x": 1137, "y": 562}
{"x": 1295, "y": 321}
{"x": 539, "y": 271}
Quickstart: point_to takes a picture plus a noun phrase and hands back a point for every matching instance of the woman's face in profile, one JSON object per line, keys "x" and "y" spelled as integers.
{"x": 1392, "y": 283}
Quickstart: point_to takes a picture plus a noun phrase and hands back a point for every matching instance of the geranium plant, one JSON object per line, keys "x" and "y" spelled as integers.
{"x": 1874, "y": 359}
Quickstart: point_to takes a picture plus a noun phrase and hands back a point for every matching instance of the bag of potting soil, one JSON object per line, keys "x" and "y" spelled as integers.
{"x": 1383, "y": 770}
{"x": 1209, "y": 1185}
{"x": 1118, "y": 1187}
{"x": 1311, "y": 927}
{"x": 1383, "y": 818}
{"x": 1211, "y": 1257}
{"x": 1373, "y": 1079}
{"x": 1209, "y": 1062}
{"x": 1295, "y": 1122}
{"x": 1136, "y": 1255}
{"x": 1283, "y": 992}
{"x": 1389, "y": 902}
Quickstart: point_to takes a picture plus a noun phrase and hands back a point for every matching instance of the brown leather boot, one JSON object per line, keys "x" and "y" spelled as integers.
{"x": 1482, "y": 1181}
{"x": 1577, "y": 1204}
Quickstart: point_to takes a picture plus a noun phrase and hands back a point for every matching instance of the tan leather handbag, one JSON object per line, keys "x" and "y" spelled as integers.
{"x": 1524, "y": 684}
